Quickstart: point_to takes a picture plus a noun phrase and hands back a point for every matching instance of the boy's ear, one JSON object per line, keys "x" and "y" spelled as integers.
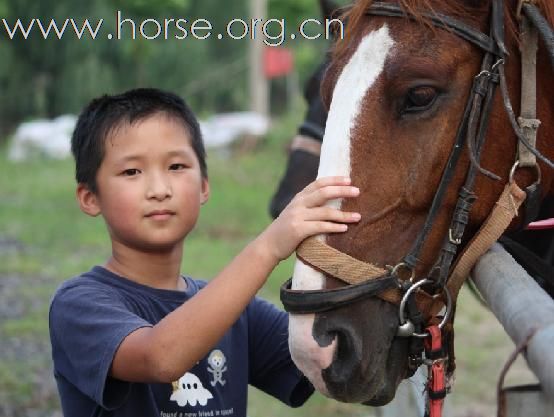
{"x": 88, "y": 201}
{"x": 205, "y": 192}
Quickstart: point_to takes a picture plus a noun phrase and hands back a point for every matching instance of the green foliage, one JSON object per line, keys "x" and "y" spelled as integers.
{"x": 294, "y": 11}
{"x": 49, "y": 77}
{"x": 148, "y": 8}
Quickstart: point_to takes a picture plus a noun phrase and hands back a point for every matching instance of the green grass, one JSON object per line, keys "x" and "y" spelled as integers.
{"x": 53, "y": 241}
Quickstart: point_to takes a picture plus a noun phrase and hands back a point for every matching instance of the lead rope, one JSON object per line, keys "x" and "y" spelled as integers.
{"x": 435, "y": 358}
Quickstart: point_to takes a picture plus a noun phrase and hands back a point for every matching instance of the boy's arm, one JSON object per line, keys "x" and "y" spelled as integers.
{"x": 163, "y": 353}
{"x": 270, "y": 365}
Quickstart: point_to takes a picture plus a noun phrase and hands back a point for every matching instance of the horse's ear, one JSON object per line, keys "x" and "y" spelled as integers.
{"x": 328, "y": 8}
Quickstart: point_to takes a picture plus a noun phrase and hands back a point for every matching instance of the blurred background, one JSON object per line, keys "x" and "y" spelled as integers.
{"x": 248, "y": 96}
{"x": 47, "y": 78}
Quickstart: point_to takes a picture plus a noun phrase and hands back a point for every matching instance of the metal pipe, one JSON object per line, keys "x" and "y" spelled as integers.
{"x": 521, "y": 306}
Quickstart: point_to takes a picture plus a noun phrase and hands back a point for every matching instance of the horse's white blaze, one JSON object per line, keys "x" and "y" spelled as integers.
{"x": 355, "y": 81}
{"x": 306, "y": 352}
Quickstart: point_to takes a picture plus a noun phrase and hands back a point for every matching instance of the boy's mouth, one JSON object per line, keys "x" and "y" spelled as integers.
{"x": 160, "y": 214}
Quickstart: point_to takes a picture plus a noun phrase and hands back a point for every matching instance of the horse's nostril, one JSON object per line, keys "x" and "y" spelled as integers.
{"x": 344, "y": 345}
{"x": 328, "y": 329}
{"x": 347, "y": 355}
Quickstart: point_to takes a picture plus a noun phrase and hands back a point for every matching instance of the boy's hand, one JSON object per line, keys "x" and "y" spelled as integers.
{"x": 306, "y": 215}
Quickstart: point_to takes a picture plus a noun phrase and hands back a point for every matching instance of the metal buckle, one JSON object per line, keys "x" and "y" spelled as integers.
{"x": 456, "y": 241}
{"x": 497, "y": 63}
{"x": 398, "y": 267}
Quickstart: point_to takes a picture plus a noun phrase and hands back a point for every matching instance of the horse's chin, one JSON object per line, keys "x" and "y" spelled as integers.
{"x": 396, "y": 371}
{"x": 364, "y": 369}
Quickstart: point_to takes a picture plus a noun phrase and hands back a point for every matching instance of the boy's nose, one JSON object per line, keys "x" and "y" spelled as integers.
{"x": 159, "y": 187}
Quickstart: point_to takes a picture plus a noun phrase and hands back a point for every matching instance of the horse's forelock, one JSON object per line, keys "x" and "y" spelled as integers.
{"x": 352, "y": 16}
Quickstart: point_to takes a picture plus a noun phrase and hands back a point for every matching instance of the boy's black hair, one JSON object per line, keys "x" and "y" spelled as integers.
{"x": 105, "y": 114}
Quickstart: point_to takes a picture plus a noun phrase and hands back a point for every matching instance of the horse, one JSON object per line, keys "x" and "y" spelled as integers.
{"x": 443, "y": 164}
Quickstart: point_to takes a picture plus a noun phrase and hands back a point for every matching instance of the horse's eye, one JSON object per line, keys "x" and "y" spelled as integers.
{"x": 419, "y": 99}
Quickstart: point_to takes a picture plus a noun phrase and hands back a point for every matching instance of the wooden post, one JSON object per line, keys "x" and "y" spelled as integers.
{"x": 259, "y": 89}
{"x": 521, "y": 306}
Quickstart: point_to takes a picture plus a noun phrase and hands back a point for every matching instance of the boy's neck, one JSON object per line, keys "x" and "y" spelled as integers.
{"x": 154, "y": 269}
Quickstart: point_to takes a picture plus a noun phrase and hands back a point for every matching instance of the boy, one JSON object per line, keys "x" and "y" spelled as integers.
{"x": 134, "y": 337}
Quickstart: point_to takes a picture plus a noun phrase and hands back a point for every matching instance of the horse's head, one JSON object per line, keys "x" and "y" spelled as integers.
{"x": 398, "y": 91}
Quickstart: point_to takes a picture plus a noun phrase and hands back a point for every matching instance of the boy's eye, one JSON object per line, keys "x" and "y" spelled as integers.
{"x": 130, "y": 172}
{"x": 177, "y": 167}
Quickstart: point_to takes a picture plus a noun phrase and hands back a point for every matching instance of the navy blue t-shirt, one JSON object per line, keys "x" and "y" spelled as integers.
{"x": 90, "y": 315}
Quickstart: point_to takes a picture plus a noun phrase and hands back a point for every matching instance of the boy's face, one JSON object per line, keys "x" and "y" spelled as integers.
{"x": 150, "y": 187}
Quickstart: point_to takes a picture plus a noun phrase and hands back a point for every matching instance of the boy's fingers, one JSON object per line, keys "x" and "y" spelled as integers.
{"x": 332, "y": 214}
{"x": 325, "y": 182}
{"x": 320, "y": 196}
{"x": 322, "y": 227}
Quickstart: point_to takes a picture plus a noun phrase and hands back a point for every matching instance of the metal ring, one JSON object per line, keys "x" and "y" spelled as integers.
{"x": 513, "y": 170}
{"x": 515, "y": 167}
{"x": 409, "y": 292}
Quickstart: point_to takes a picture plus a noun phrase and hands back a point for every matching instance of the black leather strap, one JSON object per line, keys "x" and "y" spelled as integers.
{"x": 413, "y": 256}
{"x": 476, "y": 136}
{"x": 441, "y": 21}
{"x": 317, "y": 301}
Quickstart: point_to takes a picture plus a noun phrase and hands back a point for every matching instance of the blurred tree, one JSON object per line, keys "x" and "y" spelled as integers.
{"x": 34, "y": 84}
{"x": 140, "y": 10}
{"x": 148, "y": 8}
{"x": 294, "y": 11}
{"x": 48, "y": 77}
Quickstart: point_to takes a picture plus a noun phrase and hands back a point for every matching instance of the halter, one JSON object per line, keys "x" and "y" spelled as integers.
{"x": 444, "y": 281}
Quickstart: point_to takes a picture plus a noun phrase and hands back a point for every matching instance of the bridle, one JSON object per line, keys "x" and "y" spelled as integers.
{"x": 451, "y": 268}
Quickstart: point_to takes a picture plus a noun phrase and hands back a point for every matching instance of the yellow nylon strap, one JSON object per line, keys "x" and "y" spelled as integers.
{"x": 342, "y": 266}
{"x": 336, "y": 263}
